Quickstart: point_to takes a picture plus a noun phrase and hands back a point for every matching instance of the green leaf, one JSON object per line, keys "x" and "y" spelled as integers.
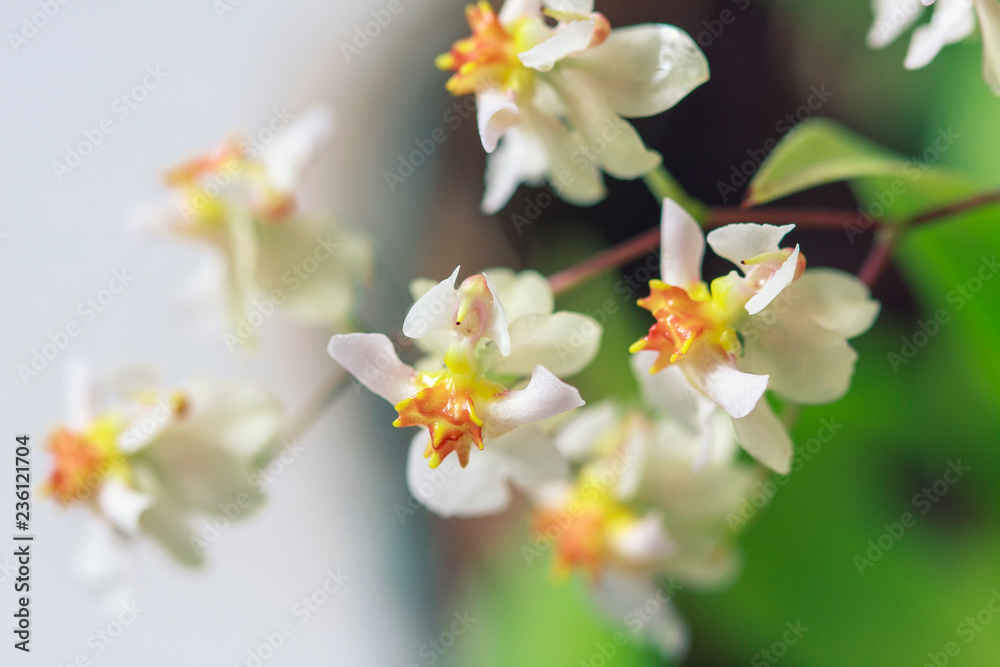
{"x": 817, "y": 152}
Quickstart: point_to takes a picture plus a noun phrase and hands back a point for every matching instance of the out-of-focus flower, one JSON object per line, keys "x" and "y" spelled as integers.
{"x": 146, "y": 461}
{"x": 648, "y": 506}
{"x": 241, "y": 200}
{"x": 952, "y": 21}
{"x": 737, "y": 338}
{"x": 469, "y": 390}
{"x": 558, "y": 95}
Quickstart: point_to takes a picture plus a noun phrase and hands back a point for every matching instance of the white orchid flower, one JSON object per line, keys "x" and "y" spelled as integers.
{"x": 952, "y": 21}
{"x": 737, "y": 338}
{"x": 241, "y": 200}
{"x": 590, "y": 527}
{"x": 649, "y": 504}
{"x": 468, "y": 392}
{"x": 558, "y": 95}
{"x": 147, "y": 461}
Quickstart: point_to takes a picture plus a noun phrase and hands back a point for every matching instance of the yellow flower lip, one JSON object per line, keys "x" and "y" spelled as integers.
{"x": 683, "y": 317}
{"x": 447, "y": 407}
{"x": 582, "y": 527}
{"x": 82, "y": 461}
{"x": 489, "y": 57}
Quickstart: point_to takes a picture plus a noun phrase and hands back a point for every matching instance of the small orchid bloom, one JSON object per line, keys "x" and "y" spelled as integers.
{"x": 648, "y": 504}
{"x": 737, "y": 338}
{"x": 591, "y": 529}
{"x": 242, "y": 201}
{"x": 952, "y": 21}
{"x": 146, "y": 461}
{"x": 558, "y": 95}
{"x": 468, "y": 392}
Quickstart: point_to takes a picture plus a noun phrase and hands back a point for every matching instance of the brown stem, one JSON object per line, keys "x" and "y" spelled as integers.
{"x": 978, "y": 201}
{"x": 870, "y": 271}
{"x": 878, "y": 258}
{"x": 803, "y": 217}
{"x": 623, "y": 253}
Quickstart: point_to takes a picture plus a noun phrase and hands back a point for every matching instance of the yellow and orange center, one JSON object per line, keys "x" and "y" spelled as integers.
{"x": 447, "y": 408}
{"x": 489, "y": 57}
{"x": 82, "y": 461}
{"x": 204, "y": 178}
{"x": 582, "y": 529}
{"x": 683, "y": 317}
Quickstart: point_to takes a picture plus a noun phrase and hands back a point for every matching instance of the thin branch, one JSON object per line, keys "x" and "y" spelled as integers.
{"x": 875, "y": 264}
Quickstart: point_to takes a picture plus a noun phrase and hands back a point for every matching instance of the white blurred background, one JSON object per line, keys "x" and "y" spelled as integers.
{"x": 224, "y": 65}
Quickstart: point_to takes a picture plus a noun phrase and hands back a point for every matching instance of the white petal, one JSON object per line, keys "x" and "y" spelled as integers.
{"x": 629, "y": 467}
{"x": 837, "y": 300}
{"x": 522, "y": 293}
{"x": 952, "y": 22}
{"x": 372, "y": 359}
{"x": 682, "y": 246}
{"x": 570, "y": 6}
{"x": 643, "y": 543}
{"x": 123, "y": 506}
{"x": 449, "y": 490}
{"x": 167, "y": 523}
{"x": 575, "y": 178}
{"x": 608, "y": 137}
{"x": 988, "y": 12}
{"x": 520, "y": 158}
{"x": 528, "y": 457}
{"x": 344, "y": 259}
{"x": 295, "y": 146}
{"x": 435, "y": 310}
{"x": 806, "y": 363}
{"x": 569, "y": 39}
{"x": 734, "y": 391}
{"x": 242, "y": 250}
{"x": 739, "y": 242}
{"x": 645, "y": 69}
{"x": 240, "y": 417}
{"x": 619, "y": 593}
{"x": 577, "y": 440}
{"x": 765, "y": 438}
{"x": 892, "y": 19}
{"x": 781, "y": 279}
{"x": 668, "y": 391}
{"x": 564, "y": 343}
{"x": 496, "y": 329}
{"x": 496, "y": 113}
{"x": 516, "y": 9}
{"x": 544, "y": 397}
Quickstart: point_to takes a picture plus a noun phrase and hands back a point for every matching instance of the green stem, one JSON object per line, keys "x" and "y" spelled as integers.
{"x": 664, "y": 186}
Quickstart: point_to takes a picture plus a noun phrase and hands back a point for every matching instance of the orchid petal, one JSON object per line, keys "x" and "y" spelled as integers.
{"x": 682, "y": 246}
{"x": 544, "y": 397}
{"x": 372, "y": 359}
{"x": 434, "y": 311}
{"x": 743, "y": 241}
{"x": 765, "y": 438}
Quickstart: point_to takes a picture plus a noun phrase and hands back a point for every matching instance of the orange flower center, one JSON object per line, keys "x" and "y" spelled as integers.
{"x": 581, "y": 541}
{"x": 82, "y": 461}
{"x": 489, "y": 56}
{"x": 447, "y": 407}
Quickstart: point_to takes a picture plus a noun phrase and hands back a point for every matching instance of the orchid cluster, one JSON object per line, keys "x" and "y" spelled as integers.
{"x": 144, "y": 459}
{"x": 632, "y": 496}
{"x": 241, "y": 200}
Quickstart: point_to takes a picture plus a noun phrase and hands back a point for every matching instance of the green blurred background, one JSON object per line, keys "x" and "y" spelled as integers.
{"x": 900, "y": 429}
